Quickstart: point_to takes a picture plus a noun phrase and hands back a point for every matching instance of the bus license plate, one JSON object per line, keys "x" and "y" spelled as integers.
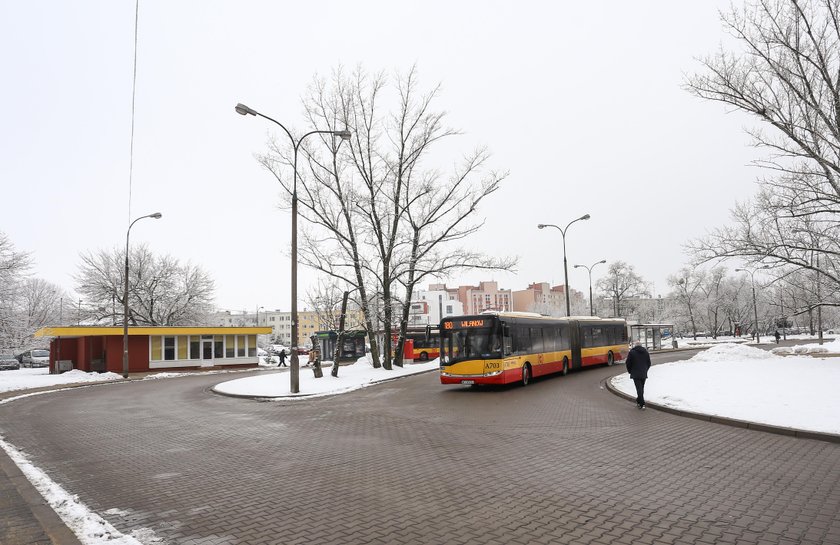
{"x": 468, "y": 382}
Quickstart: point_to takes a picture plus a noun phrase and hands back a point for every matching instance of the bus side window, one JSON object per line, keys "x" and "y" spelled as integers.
{"x": 586, "y": 342}
{"x": 548, "y": 339}
{"x": 565, "y": 338}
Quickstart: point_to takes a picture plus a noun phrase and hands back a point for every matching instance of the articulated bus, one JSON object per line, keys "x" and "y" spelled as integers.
{"x": 426, "y": 343}
{"x": 500, "y": 348}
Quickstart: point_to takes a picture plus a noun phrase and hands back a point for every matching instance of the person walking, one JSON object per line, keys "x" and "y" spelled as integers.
{"x": 282, "y": 358}
{"x": 777, "y": 336}
{"x": 638, "y": 363}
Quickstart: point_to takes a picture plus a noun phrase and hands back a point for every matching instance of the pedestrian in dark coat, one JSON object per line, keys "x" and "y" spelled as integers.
{"x": 638, "y": 363}
{"x": 282, "y": 358}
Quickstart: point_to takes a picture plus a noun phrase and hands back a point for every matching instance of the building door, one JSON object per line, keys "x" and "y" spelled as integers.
{"x": 206, "y": 352}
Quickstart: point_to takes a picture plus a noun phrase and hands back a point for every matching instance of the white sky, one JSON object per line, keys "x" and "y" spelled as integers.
{"x": 580, "y": 101}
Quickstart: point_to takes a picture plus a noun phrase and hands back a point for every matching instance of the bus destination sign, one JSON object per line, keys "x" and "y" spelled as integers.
{"x": 464, "y": 324}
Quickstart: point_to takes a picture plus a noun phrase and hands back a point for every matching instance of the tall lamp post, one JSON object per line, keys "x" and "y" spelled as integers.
{"x": 589, "y": 270}
{"x": 294, "y": 371}
{"x": 565, "y": 264}
{"x": 755, "y": 308}
{"x": 157, "y": 216}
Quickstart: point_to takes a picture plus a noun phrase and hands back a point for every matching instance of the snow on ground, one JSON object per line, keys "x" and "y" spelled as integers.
{"x": 832, "y": 347}
{"x": 350, "y": 377}
{"x": 90, "y": 528}
{"x": 746, "y": 383}
{"x": 39, "y": 377}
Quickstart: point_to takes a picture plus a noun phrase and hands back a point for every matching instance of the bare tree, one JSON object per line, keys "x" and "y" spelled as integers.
{"x": 162, "y": 291}
{"x": 621, "y": 284}
{"x": 714, "y": 293}
{"x": 785, "y": 74}
{"x": 687, "y": 288}
{"x": 379, "y": 217}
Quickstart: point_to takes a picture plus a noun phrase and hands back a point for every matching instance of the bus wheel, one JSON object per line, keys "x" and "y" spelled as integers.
{"x": 526, "y": 374}
{"x": 610, "y": 358}
{"x": 565, "y": 370}
{"x": 423, "y": 356}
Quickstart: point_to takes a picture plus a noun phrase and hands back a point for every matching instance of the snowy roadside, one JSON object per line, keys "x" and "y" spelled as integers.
{"x": 89, "y": 527}
{"x": 747, "y": 383}
{"x": 40, "y": 377}
{"x": 350, "y": 377}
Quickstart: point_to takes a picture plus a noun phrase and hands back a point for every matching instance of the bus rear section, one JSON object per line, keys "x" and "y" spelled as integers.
{"x": 601, "y": 341}
{"x": 426, "y": 343}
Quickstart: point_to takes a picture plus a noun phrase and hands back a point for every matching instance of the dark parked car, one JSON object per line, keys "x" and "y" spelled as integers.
{"x": 8, "y": 362}
{"x": 35, "y": 358}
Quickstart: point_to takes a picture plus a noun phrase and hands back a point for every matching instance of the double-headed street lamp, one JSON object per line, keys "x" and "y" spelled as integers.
{"x": 589, "y": 270}
{"x": 157, "y": 216}
{"x": 755, "y": 308}
{"x": 294, "y": 370}
{"x": 565, "y": 265}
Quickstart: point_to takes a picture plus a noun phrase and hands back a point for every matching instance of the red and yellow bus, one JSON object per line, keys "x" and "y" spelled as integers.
{"x": 501, "y": 348}
{"x": 425, "y": 343}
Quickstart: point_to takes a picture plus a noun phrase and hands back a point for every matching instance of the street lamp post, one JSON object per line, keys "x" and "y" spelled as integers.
{"x": 565, "y": 263}
{"x": 589, "y": 270}
{"x": 755, "y": 308}
{"x": 294, "y": 371}
{"x": 157, "y": 216}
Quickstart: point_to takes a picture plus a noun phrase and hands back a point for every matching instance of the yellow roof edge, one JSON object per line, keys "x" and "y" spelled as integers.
{"x": 96, "y": 331}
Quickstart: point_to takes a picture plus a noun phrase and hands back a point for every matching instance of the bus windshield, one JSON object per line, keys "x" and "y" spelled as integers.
{"x": 465, "y": 344}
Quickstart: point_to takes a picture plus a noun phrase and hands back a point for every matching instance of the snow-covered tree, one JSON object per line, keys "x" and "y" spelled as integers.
{"x": 162, "y": 290}
{"x": 14, "y": 267}
{"x": 784, "y": 72}
{"x": 621, "y": 285}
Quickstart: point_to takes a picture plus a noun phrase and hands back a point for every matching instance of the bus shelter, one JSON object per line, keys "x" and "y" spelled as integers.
{"x": 652, "y": 335}
{"x": 352, "y": 346}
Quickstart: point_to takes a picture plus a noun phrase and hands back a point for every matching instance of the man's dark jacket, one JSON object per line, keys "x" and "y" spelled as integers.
{"x": 638, "y": 362}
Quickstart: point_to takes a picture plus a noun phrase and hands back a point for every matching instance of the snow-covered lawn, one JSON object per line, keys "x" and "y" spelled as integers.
{"x": 747, "y": 383}
{"x": 39, "y": 377}
{"x": 28, "y": 378}
{"x": 350, "y": 377}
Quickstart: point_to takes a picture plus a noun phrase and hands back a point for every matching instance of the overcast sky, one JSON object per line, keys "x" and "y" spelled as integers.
{"x": 580, "y": 101}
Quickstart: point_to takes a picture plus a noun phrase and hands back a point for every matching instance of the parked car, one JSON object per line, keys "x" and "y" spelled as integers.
{"x": 35, "y": 358}
{"x": 8, "y": 362}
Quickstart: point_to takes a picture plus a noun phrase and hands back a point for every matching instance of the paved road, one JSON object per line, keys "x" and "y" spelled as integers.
{"x": 411, "y": 461}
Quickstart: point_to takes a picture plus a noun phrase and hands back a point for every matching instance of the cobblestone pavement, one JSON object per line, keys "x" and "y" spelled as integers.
{"x": 411, "y": 461}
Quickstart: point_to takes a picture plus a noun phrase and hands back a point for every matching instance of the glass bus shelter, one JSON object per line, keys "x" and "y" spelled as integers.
{"x": 653, "y": 335}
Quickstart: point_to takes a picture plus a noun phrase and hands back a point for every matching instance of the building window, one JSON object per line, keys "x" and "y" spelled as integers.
{"x": 195, "y": 348}
{"x": 229, "y": 346}
{"x": 240, "y": 346}
{"x": 169, "y": 348}
{"x": 219, "y": 346}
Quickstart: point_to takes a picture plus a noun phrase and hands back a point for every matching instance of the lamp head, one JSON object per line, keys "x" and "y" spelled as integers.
{"x": 241, "y": 109}
{"x": 541, "y": 226}
{"x": 586, "y": 217}
{"x": 344, "y": 135}
{"x": 577, "y": 266}
{"x": 602, "y": 261}
{"x": 740, "y": 270}
{"x": 156, "y": 215}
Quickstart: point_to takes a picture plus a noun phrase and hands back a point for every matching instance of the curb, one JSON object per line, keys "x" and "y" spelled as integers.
{"x": 734, "y": 422}
{"x": 51, "y": 523}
